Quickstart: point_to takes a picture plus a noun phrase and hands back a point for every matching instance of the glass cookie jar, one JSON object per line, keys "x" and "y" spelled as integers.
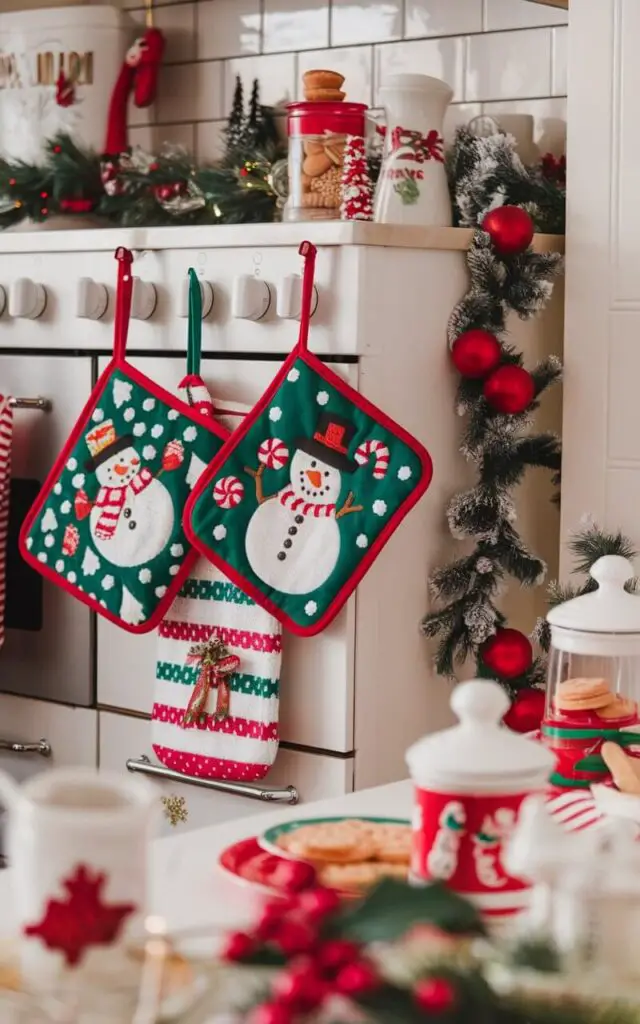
{"x": 470, "y": 781}
{"x": 317, "y": 135}
{"x": 593, "y": 677}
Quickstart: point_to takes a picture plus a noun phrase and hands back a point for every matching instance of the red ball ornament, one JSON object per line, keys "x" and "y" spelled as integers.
{"x": 357, "y": 978}
{"x": 510, "y": 229}
{"x": 508, "y": 653}
{"x": 238, "y": 946}
{"x": 476, "y": 353}
{"x": 435, "y": 995}
{"x": 527, "y": 711}
{"x": 509, "y": 389}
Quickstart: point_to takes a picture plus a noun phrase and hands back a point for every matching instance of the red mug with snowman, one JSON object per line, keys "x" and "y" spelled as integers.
{"x": 470, "y": 781}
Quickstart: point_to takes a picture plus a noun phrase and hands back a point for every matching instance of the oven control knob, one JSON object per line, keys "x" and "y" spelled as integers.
{"x": 27, "y": 299}
{"x": 289, "y": 301}
{"x": 206, "y": 294}
{"x": 250, "y": 298}
{"x": 92, "y": 299}
{"x": 3, "y": 300}
{"x": 144, "y": 299}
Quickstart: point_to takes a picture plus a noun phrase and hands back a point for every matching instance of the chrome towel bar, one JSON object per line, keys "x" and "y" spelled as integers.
{"x": 286, "y": 795}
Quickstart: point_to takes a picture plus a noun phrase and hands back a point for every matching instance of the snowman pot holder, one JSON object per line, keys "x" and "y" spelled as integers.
{"x": 107, "y": 524}
{"x": 300, "y": 500}
{"x": 216, "y": 702}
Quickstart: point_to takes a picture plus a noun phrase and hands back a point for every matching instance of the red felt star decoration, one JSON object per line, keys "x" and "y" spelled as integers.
{"x": 82, "y": 919}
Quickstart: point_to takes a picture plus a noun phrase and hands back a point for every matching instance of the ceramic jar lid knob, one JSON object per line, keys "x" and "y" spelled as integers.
{"x": 476, "y": 703}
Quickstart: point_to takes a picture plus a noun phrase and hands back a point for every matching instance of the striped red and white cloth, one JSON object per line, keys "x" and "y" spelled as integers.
{"x": 6, "y": 431}
{"x": 575, "y": 810}
{"x": 243, "y": 745}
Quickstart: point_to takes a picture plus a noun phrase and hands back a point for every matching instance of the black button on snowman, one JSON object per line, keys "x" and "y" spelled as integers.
{"x": 293, "y": 537}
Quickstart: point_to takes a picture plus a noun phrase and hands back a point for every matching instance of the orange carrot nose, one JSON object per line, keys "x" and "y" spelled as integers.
{"x": 121, "y": 470}
{"x": 315, "y": 478}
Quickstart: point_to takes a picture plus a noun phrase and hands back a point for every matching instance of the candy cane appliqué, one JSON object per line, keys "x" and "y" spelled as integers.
{"x": 380, "y": 454}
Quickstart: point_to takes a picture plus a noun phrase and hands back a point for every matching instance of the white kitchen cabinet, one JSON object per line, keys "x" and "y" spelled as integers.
{"x": 70, "y": 734}
{"x": 54, "y": 661}
{"x": 315, "y": 776}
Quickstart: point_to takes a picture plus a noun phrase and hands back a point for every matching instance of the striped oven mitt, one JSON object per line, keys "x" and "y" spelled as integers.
{"x": 6, "y": 429}
{"x": 216, "y": 701}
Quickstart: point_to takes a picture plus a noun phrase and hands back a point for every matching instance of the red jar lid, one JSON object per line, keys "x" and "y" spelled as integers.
{"x": 316, "y": 118}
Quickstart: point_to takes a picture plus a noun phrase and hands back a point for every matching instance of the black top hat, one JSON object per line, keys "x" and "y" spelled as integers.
{"x": 112, "y": 449}
{"x": 331, "y": 441}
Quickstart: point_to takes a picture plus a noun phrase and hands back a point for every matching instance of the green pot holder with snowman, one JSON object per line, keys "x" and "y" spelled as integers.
{"x": 305, "y": 493}
{"x": 107, "y": 524}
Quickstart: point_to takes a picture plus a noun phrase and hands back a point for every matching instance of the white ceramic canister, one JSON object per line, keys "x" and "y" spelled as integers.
{"x": 87, "y": 44}
{"x": 77, "y": 848}
{"x": 470, "y": 781}
{"x": 412, "y": 187}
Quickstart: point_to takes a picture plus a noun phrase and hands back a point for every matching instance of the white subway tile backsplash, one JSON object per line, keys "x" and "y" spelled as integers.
{"x": 499, "y": 56}
{"x": 209, "y": 140}
{"x": 153, "y": 137}
{"x": 178, "y": 23}
{"x": 441, "y": 58}
{"x": 516, "y": 65}
{"x": 191, "y": 92}
{"x": 276, "y": 74}
{"x": 228, "y": 28}
{"x": 295, "y": 25}
{"x": 560, "y": 40}
{"x": 549, "y": 117}
{"x": 442, "y": 17}
{"x": 370, "y": 21}
{"x": 354, "y": 62}
{"x": 501, "y": 14}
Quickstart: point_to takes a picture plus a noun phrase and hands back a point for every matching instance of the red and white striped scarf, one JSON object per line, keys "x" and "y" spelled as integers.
{"x": 306, "y": 508}
{"x": 112, "y": 499}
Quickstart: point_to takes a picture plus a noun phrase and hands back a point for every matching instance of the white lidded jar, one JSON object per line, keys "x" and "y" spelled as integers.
{"x": 470, "y": 781}
{"x": 412, "y": 187}
{"x": 593, "y": 676}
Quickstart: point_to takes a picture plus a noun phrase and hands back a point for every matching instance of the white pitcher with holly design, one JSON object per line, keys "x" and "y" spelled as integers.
{"x": 412, "y": 187}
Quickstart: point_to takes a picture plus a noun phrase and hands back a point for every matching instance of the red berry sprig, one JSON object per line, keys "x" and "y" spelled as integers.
{"x": 435, "y": 996}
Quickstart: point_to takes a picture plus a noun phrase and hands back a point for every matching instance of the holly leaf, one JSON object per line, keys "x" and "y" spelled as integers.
{"x": 394, "y": 907}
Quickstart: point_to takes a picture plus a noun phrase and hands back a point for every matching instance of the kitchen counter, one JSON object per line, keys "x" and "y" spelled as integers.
{"x": 191, "y": 893}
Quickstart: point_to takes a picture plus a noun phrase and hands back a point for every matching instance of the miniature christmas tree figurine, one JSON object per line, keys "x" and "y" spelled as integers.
{"x": 235, "y": 128}
{"x": 356, "y": 187}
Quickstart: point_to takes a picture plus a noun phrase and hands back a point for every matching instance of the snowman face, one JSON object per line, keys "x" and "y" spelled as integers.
{"x": 314, "y": 480}
{"x": 120, "y": 469}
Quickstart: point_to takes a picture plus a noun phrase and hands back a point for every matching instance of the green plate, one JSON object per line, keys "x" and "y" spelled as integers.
{"x": 269, "y": 839}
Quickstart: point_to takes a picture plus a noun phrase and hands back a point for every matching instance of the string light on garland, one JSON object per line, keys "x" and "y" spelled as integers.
{"x": 497, "y": 396}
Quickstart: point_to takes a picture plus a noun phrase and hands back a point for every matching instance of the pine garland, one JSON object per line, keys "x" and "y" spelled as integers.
{"x": 500, "y": 446}
{"x": 138, "y": 189}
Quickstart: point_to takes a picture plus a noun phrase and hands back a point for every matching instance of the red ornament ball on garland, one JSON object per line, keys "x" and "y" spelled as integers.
{"x": 237, "y": 947}
{"x": 527, "y": 711}
{"x": 510, "y": 229}
{"x": 476, "y": 353}
{"x": 508, "y": 653}
{"x": 357, "y": 978}
{"x": 509, "y": 389}
{"x": 435, "y": 995}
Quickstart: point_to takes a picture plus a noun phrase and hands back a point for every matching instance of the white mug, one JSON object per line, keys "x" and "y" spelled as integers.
{"x": 77, "y": 848}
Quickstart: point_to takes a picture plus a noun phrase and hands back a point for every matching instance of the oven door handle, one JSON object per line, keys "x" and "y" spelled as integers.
{"x": 286, "y": 795}
{"x": 42, "y": 747}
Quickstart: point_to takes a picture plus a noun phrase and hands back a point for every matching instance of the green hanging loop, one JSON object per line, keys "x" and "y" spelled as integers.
{"x": 195, "y": 324}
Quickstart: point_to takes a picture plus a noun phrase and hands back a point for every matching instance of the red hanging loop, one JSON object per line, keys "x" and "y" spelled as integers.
{"x": 124, "y": 292}
{"x": 308, "y": 252}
